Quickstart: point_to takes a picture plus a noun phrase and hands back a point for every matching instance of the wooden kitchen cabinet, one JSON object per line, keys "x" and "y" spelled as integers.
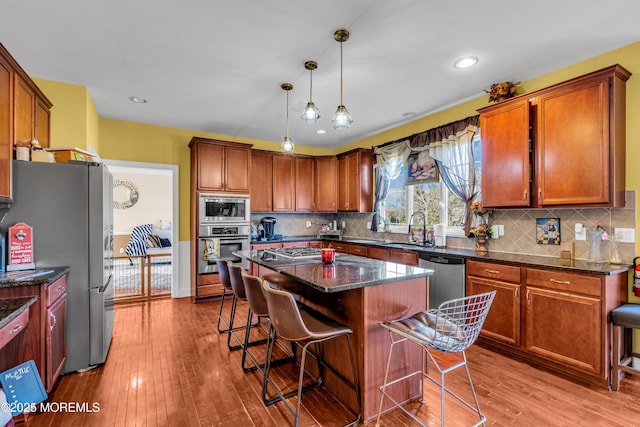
{"x": 571, "y": 135}
{"x": 360, "y": 250}
{"x": 403, "y": 257}
{"x": 375, "y": 252}
{"x": 261, "y": 181}
{"x": 24, "y": 114}
{"x": 355, "y": 181}
{"x": 55, "y": 344}
{"x": 284, "y": 188}
{"x": 43, "y": 340}
{"x": 326, "y": 184}
{"x": 555, "y": 318}
{"x": 304, "y": 184}
{"x": 221, "y": 167}
{"x": 503, "y": 321}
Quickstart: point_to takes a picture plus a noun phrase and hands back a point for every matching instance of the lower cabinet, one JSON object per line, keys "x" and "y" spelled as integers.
{"x": 43, "y": 340}
{"x": 555, "y": 318}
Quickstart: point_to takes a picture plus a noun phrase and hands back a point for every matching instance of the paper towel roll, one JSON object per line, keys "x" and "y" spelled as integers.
{"x": 440, "y": 234}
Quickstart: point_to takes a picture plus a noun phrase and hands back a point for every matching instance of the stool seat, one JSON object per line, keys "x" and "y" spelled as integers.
{"x": 627, "y": 315}
{"x": 623, "y": 320}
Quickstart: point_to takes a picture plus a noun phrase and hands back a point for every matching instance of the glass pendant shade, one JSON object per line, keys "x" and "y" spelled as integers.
{"x": 341, "y": 119}
{"x": 287, "y": 146}
{"x": 311, "y": 114}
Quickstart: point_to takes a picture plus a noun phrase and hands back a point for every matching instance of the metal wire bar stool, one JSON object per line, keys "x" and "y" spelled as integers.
{"x": 450, "y": 329}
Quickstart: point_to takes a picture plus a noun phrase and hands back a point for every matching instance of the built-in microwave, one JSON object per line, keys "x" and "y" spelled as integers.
{"x": 228, "y": 209}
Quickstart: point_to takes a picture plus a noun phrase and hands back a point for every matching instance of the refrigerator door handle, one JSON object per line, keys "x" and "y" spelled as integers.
{"x": 106, "y": 285}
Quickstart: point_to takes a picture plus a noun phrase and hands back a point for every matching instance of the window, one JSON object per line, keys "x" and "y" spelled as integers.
{"x": 435, "y": 199}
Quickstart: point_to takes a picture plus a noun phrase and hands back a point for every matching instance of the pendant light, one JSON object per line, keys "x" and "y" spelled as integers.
{"x": 341, "y": 119}
{"x": 311, "y": 113}
{"x": 287, "y": 145}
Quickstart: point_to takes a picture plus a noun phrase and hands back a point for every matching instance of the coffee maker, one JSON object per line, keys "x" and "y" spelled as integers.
{"x": 269, "y": 228}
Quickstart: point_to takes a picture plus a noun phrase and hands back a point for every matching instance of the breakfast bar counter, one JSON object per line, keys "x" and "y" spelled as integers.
{"x": 360, "y": 293}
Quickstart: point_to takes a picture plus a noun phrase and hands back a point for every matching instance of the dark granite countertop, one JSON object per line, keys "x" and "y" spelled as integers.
{"x": 10, "y": 308}
{"x": 347, "y": 272}
{"x": 39, "y": 276}
{"x": 575, "y": 265}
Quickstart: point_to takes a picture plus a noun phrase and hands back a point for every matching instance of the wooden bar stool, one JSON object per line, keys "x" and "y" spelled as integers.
{"x": 623, "y": 319}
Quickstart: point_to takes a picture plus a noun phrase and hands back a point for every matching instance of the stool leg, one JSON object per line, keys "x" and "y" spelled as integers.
{"x": 615, "y": 350}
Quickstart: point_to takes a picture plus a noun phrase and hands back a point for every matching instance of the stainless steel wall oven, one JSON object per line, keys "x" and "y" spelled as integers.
{"x": 219, "y": 241}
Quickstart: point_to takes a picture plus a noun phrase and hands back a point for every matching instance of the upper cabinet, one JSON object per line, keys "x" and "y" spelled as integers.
{"x": 220, "y": 167}
{"x": 326, "y": 184}
{"x": 24, "y": 115}
{"x": 355, "y": 181}
{"x": 559, "y": 146}
{"x": 261, "y": 181}
{"x": 284, "y": 189}
{"x": 305, "y": 188}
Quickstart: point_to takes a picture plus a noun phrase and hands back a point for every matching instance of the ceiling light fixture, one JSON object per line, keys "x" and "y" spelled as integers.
{"x": 311, "y": 114}
{"x": 341, "y": 119}
{"x": 466, "y": 62}
{"x": 137, "y": 100}
{"x": 287, "y": 145}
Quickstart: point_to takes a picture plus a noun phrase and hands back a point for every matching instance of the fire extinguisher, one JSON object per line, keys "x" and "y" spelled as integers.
{"x": 636, "y": 277}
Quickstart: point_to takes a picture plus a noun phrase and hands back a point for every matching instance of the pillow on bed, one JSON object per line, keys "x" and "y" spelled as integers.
{"x": 165, "y": 243}
{"x": 153, "y": 241}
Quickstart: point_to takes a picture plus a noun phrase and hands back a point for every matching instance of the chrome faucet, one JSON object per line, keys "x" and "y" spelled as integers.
{"x": 424, "y": 225}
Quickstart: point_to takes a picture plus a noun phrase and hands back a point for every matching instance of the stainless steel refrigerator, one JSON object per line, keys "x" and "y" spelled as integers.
{"x": 70, "y": 207}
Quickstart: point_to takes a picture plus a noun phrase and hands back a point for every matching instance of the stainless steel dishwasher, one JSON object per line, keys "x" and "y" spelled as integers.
{"x": 448, "y": 280}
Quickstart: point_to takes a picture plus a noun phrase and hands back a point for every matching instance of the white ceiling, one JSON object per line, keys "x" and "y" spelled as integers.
{"x": 216, "y": 66}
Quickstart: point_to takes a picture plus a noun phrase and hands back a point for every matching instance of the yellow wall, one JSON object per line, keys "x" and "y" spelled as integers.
{"x": 74, "y": 122}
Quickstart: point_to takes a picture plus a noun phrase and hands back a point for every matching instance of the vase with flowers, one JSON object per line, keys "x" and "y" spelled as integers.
{"x": 482, "y": 231}
{"x": 501, "y": 91}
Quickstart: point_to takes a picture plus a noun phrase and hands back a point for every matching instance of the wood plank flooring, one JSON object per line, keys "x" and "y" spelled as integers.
{"x": 168, "y": 366}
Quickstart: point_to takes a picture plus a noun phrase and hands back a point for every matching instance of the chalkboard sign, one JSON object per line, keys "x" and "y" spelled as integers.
{"x": 23, "y": 387}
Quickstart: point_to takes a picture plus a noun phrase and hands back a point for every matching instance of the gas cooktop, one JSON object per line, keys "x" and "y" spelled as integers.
{"x": 296, "y": 252}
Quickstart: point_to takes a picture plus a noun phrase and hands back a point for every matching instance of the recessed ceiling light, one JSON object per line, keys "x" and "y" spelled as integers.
{"x": 321, "y": 131}
{"x": 137, "y": 100}
{"x": 466, "y": 62}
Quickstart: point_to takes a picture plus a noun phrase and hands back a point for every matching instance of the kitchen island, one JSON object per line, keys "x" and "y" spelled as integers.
{"x": 360, "y": 293}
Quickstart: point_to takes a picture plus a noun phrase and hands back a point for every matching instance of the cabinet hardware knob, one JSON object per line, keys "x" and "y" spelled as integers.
{"x": 15, "y": 329}
{"x": 60, "y": 288}
{"x": 492, "y": 271}
{"x": 539, "y": 195}
{"x": 562, "y": 282}
{"x": 517, "y": 294}
{"x": 525, "y": 196}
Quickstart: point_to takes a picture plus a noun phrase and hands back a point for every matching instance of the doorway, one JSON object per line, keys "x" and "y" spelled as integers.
{"x": 145, "y": 207}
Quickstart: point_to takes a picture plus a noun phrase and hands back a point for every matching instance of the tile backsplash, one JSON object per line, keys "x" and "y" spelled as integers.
{"x": 519, "y": 228}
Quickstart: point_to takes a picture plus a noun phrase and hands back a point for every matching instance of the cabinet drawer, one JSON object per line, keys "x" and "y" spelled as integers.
{"x": 378, "y": 253}
{"x": 403, "y": 257}
{"x": 209, "y": 290}
{"x": 357, "y": 250}
{"x": 563, "y": 281}
{"x": 490, "y": 270}
{"x": 339, "y": 247}
{"x": 13, "y": 328}
{"x": 55, "y": 289}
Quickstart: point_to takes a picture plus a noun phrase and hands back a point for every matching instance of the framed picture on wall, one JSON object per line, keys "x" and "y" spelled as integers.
{"x": 421, "y": 168}
{"x": 548, "y": 231}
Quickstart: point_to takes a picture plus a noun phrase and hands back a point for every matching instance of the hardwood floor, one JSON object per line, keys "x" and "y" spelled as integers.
{"x": 168, "y": 366}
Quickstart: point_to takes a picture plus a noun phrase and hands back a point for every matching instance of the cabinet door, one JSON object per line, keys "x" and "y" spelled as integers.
{"x": 24, "y": 108}
{"x": 348, "y": 182}
{"x": 505, "y": 156}
{"x": 378, "y": 253}
{"x": 55, "y": 342}
{"x": 6, "y": 126}
{"x": 237, "y": 170}
{"x": 573, "y": 145}
{"x": 210, "y": 167}
{"x": 42, "y": 124}
{"x": 403, "y": 257}
{"x": 503, "y": 321}
{"x": 283, "y": 183}
{"x": 305, "y": 191}
{"x": 565, "y": 328}
{"x": 261, "y": 181}
{"x": 326, "y": 180}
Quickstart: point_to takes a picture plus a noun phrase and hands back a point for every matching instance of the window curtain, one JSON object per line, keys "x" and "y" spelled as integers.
{"x": 450, "y": 146}
{"x": 389, "y": 162}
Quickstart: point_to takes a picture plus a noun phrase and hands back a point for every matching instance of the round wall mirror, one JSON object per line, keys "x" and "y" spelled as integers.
{"x": 125, "y": 194}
